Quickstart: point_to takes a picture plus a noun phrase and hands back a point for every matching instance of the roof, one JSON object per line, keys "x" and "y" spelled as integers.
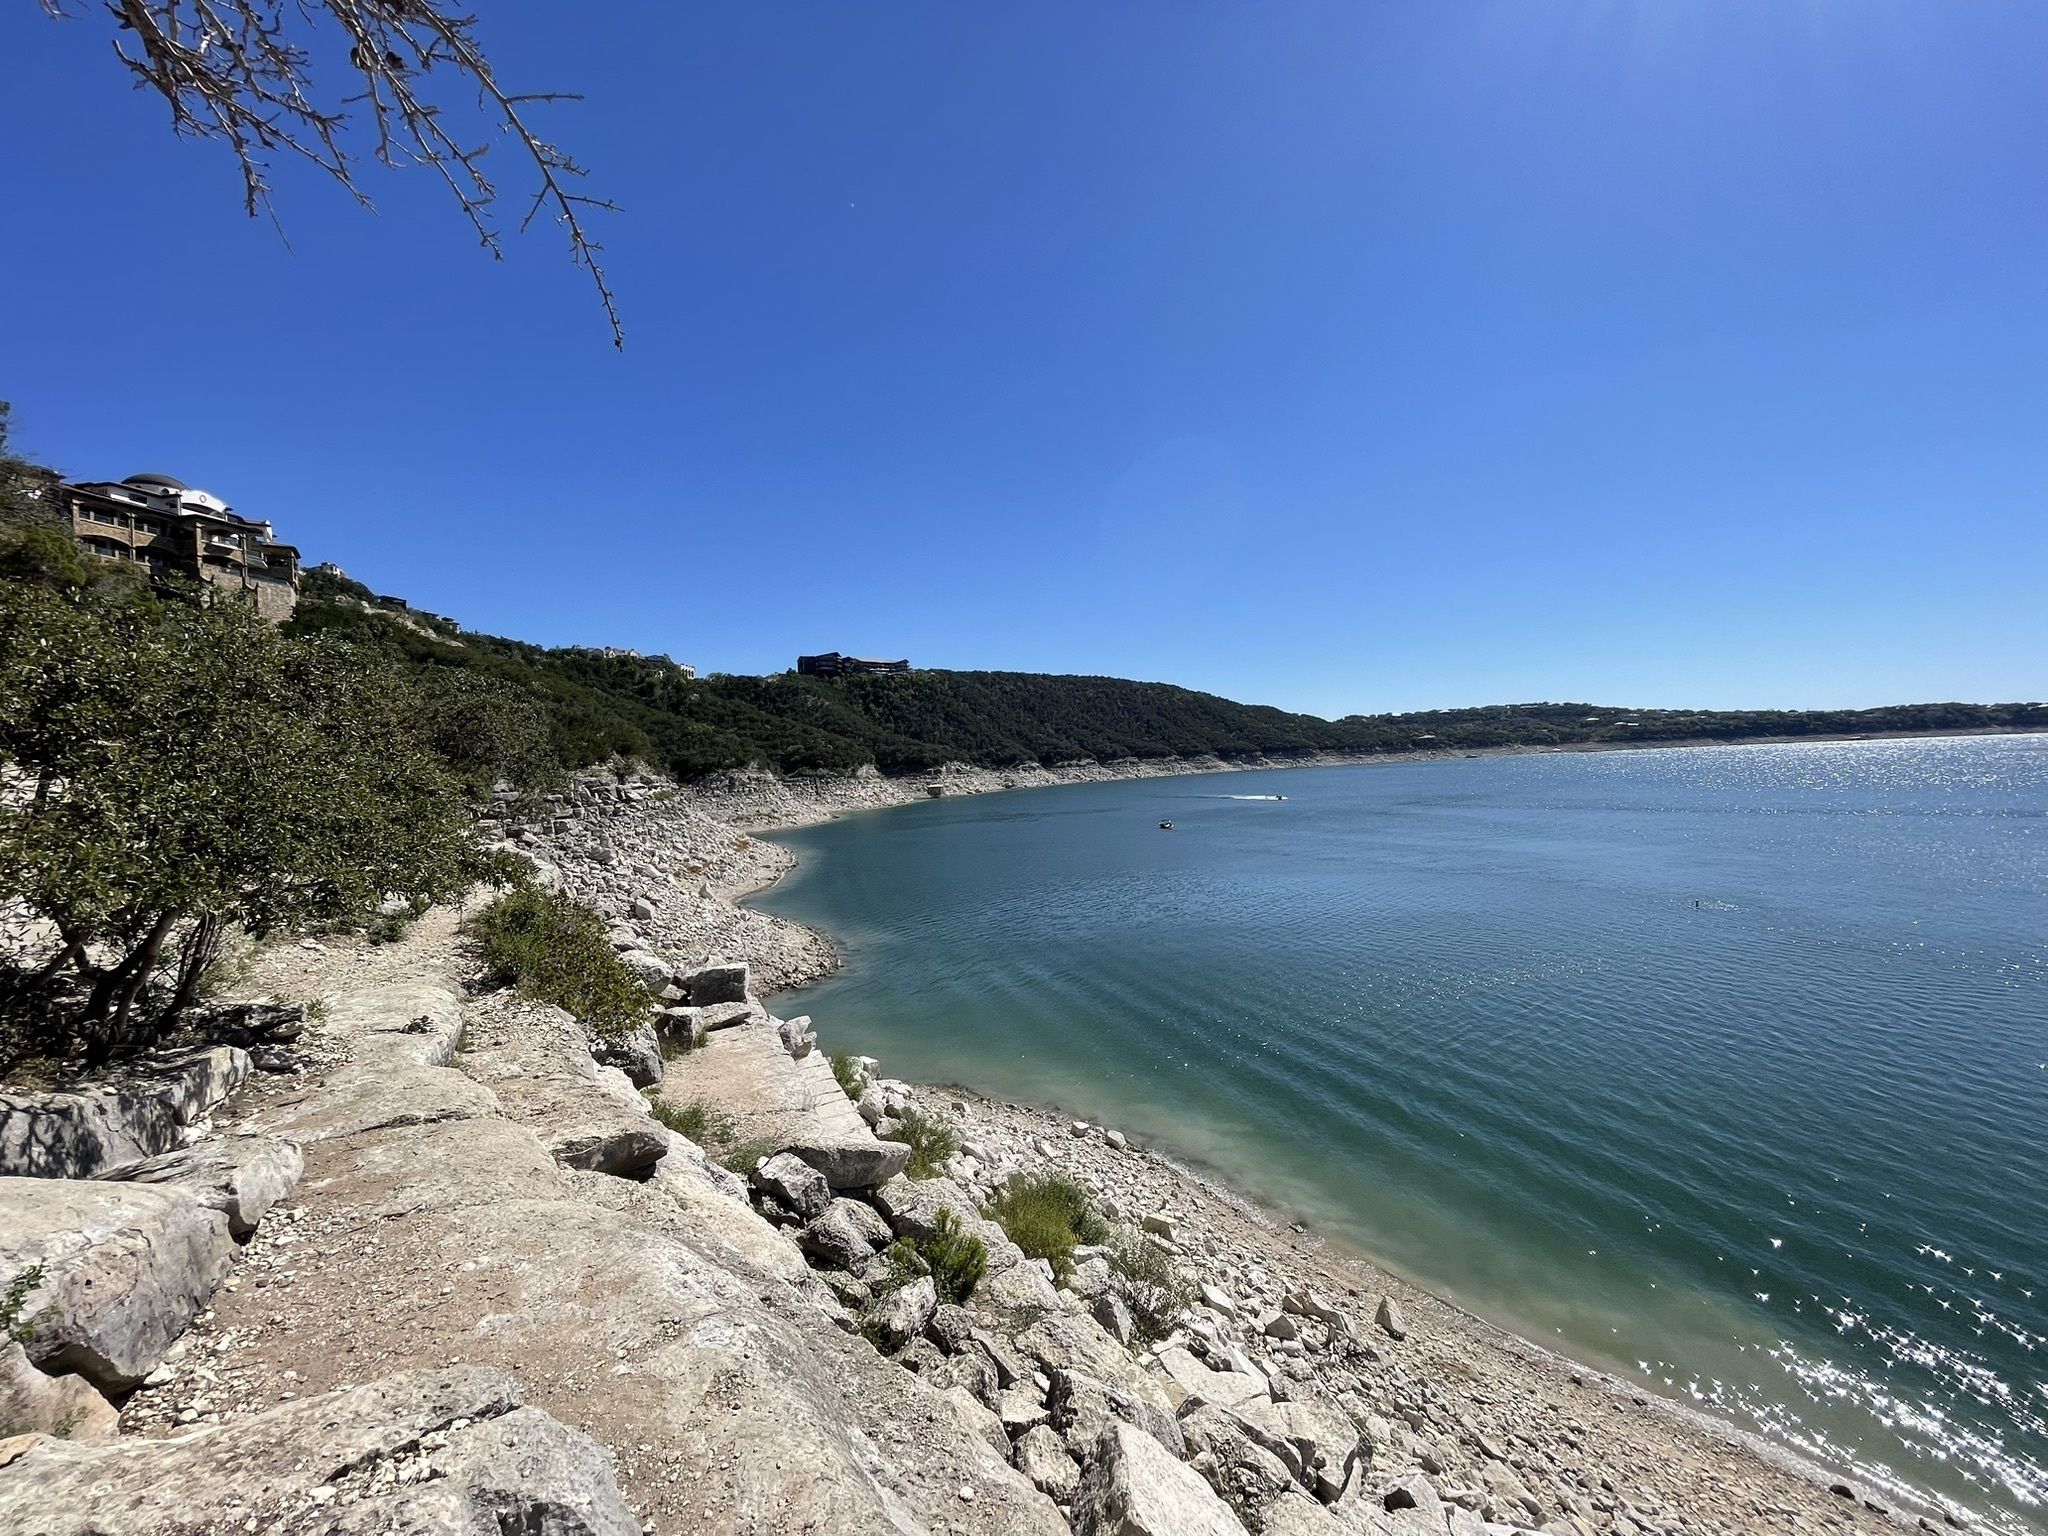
{"x": 163, "y": 480}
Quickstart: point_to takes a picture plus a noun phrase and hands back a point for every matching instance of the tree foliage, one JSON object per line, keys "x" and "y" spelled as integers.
{"x": 334, "y": 82}
{"x": 600, "y": 707}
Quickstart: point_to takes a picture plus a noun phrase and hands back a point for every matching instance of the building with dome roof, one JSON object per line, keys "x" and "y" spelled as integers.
{"x": 162, "y": 523}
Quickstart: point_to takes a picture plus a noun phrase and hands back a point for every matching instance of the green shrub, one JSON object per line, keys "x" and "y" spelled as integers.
{"x": 1144, "y": 1278}
{"x": 709, "y": 1128}
{"x": 14, "y": 1301}
{"x": 845, "y": 1073}
{"x": 931, "y": 1142}
{"x": 1046, "y": 1215}
{"x": 555, "y": 951}
{"x": 955, "y": 1259}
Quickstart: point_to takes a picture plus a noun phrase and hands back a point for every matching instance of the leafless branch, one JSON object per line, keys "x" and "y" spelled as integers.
{"x": 241, "y": 72}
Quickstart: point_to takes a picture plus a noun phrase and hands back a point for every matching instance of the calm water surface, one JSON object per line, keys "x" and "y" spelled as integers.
{"x": 1725, "y": 1068}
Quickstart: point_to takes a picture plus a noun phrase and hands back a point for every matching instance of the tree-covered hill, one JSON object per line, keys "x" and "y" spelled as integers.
{"x": 600, "y": 706}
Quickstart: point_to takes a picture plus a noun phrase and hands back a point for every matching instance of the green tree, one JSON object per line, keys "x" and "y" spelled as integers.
{"x": 172, "y": 766}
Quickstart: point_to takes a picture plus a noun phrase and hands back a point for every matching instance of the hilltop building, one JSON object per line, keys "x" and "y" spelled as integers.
{"x": 832, "y": 664}
{"x": 175, "y": 530}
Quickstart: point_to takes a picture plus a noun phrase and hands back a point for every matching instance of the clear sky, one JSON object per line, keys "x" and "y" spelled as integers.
{"x": 1338, "y": 354}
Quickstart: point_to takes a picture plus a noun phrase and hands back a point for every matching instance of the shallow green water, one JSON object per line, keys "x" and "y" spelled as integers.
{"x": 1727, "y": 1068}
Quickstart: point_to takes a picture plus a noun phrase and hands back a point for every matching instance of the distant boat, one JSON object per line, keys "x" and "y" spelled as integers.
{"x": 1166, "y": 826}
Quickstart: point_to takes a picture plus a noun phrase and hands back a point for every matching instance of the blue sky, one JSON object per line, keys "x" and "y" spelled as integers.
{"x": 1343, "y": 356}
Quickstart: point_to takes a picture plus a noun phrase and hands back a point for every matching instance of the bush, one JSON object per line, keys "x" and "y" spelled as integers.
{"x": 955, "y": 1259}
{"x": 930, "y": 1140}
{"x": 1145, "y": 1280}
{"x": 846, "y": 1073}
{"x": 1047, "y": 1215}
{"x": 555, "y": 951}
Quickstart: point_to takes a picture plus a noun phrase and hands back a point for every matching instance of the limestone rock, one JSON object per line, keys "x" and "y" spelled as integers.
{"x": 126, "y": 1267}
{"x": 502, "y": 1468}
{"x": 1084, "y": 1406}
{"x": 191, "y": 1085}
{"x": 848, "y": 1163}
{"x": 901, "y": 1316}
{"x": 837, "y": 1239}
{"x": 76, "y": 1135}
{"x": 728, "y": 1015}
{"x": 64, "y": 1406}
{"x": 1041, "y": 1456}
{"x": 795, "y": 1183}
{"x": 1390, "y": 1320}
{"x": 1135, "y": 1488}
{"x": 1243, "y": 1468}
{"x": 647, "y": 968}
{"x": 241, "y": 1177}
{"x": 1187, "y": 1378}
{"x": 626, "y": 1146}
{"x": 1296, "y": 1514}
{"x": 636, "y": 1052}
{"x": 796, "y": 1036}
{"x": 715, "y": 984}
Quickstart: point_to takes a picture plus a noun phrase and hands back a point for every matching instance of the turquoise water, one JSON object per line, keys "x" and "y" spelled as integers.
{"x": 1726, "y": 1068}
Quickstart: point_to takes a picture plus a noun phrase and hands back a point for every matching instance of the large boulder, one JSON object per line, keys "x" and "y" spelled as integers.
{"x": 192, "y": 1085}
{"x": 1186, "y": 1378}
{"x": 76, "y": 1135}
{"x": 65, "y": 1406}
{"x": 1135, "y": 1487}
{"x": 795, "y": 1183}
{"x": 494, "y": 1467}
{"x": 241, "y": 1177}
{"x": 715, "y": 984}
{"x": 903, "y": 1314}
{"x": 635, "y": 1052}
{"x": 850, "y": 1163}
{"x": 621, "y": 1144}
{"x": 125, "y": 1269}
{"x": 837, "y": 1239}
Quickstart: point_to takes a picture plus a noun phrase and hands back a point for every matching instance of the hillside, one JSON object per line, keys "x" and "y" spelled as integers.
{"x": 603, "y": 706}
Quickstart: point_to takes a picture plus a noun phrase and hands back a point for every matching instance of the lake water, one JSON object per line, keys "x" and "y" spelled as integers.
{"x": 1724, "y": 1068}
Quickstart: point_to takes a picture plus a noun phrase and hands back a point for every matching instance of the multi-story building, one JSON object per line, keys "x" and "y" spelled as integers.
{"x": 832, "y": 664}
{"x": 174, "y": 530}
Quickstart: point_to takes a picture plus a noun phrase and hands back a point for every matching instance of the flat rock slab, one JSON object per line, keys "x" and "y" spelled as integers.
{"x": 79, "y": 1135}
{"x": 420, "y": 1021}
{"x": 126, "y": 1267}
{"x": 497, "y": 1467}
{"x": 242, "y": 1177}
{"x": 771, "y": 1096}
{"x": 1186, "y": 1377}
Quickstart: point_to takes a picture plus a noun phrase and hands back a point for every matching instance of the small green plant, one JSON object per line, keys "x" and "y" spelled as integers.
{"x": 955, "y": 1259}
{"x": 931, "y": 1142}
{"x": 1144, "y": 1279}
{"x": 741, "y": 1159}
{"x": 706, "y": 1126}
{"x": 555, "y": 951}
{"x": 14, "y": 1301}
{"x": 845, "y": 1073}
{"x": 1047, "y": 1215}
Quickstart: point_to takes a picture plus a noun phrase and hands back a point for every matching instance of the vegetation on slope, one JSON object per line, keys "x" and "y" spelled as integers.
{"x": 603, "y": 706}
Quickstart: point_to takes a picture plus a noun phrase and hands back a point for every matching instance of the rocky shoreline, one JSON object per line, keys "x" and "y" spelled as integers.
{"x": 421, "y": 1255}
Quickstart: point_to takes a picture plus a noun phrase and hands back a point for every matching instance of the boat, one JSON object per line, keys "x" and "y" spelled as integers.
{"x": 1166, "y": 826}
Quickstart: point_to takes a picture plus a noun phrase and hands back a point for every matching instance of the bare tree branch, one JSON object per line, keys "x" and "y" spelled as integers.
{"x": 241, "y": 73}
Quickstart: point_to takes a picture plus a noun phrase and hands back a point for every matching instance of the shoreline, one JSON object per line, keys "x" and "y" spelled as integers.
{"x": 1356, "y": 1270}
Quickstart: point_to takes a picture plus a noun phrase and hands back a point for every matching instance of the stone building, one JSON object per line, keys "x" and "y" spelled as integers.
{"x": 175, "y": 530}
{"x": 832, "y": 664}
